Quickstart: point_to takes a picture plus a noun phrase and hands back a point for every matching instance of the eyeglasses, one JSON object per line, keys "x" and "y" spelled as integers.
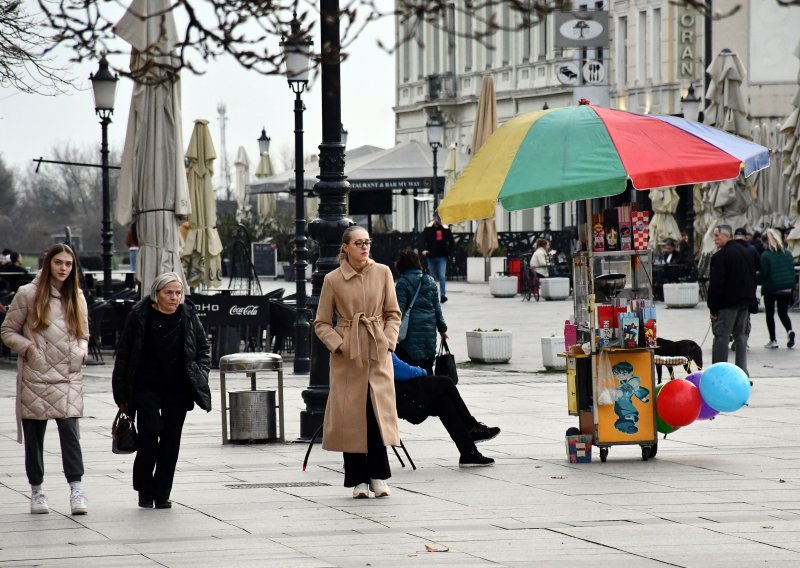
{"x": 362, "y": 244}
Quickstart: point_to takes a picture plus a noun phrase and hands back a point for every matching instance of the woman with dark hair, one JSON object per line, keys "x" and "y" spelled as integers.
{"x": 361, "y": 414}
{"x": 417, "y": 291}
{"x": 160, "y": 372}
{"x": 47, "y": 325}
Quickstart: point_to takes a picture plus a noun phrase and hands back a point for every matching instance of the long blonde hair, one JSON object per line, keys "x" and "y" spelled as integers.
{"x": 70, "y": 295}
{"x": 346, "y": 240}
{"x": 775, "y": 240}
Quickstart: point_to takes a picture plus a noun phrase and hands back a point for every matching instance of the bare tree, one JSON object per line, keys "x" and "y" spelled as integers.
{"x": 23, "y": 46}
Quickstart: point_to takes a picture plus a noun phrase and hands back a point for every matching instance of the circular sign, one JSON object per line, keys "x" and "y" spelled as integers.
{"x": 581, "y": 30}
{"x": 567, "y": 73}
{"x": 594, "y": 72}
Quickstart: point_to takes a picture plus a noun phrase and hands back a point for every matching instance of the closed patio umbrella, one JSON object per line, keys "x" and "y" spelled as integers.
{"x": 202, "y": 250}
{"x": 266, "y": 201}
{"x": 152, "y": 188}
{"x": 663, "y": 226}
{"x": 241, "y": 177}
{"x": 485, "y": 125}
{"x": 726, "y": 202}
{"x": 791, "y": 166}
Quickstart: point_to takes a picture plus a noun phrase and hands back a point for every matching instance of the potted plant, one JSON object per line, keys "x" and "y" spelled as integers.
{"x": 489, "y": 346}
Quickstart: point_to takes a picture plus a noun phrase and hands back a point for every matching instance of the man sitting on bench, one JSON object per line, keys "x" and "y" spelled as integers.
{"x": 420, "y": 396}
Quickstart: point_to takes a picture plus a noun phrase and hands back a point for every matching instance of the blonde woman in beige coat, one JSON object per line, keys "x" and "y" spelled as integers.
{"x": 47, "y": 325}
{"x": 361, "y": 414}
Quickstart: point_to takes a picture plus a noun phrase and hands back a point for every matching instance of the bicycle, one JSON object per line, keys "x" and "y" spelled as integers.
{"x": 529, "y": 280}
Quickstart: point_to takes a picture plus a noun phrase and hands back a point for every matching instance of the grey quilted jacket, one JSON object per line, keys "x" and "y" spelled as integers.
{"x": 50, "y": 382}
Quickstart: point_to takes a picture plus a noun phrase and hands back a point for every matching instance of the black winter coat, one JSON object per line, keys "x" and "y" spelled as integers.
{"x": 732, "y": 279}
{"x": 196, "y": 351}
{"x": 426, "y": 315}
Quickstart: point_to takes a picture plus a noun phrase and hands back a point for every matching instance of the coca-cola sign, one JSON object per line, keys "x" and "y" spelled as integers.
{"x": 223, "y": 309}
{"x": 251, "y": 310}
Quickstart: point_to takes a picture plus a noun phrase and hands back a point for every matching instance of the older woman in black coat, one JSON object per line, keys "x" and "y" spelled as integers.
{"x": 160, "y": 372}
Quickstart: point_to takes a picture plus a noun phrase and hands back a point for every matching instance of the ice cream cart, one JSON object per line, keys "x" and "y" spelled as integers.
{"x": 610, "y": 369}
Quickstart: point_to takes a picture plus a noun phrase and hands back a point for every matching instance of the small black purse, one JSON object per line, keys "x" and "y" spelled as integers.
{"x": 123, "y": 434}
{"x": 445, "y": 363}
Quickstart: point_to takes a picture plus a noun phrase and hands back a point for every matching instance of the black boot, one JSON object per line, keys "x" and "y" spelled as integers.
{"x": 145, "y": 500}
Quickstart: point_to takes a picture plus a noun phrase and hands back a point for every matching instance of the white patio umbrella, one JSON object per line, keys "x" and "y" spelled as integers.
{"x": 265, "y": 201}
{"x": 485, "y": 125}
{"x": 791, "y": 166}
{"x": 152, "y": 185}
{"x": 241, "y": 177}
{"x": 772, "y": 208}
{"x": 202, "y": 249}
{"x": 726, "y": 202}
{"x": 663, "y": 225}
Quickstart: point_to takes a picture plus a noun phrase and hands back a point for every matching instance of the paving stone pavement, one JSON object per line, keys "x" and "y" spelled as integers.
{"x": 720, "y": 493}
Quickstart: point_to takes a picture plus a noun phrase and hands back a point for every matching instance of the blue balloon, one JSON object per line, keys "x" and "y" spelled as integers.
{"x": 725, "y": 387}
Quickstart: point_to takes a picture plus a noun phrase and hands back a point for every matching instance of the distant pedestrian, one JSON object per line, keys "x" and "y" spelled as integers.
{"x": 742, "y": 238}
{"x": 419, "y": 346}
{"x": 47, "y": 325}
{"x": 777, "y": 279}
{"x": 437, "y": 245}
{"x": 731, "y": 295}
{"x": 361, "y": 415}
{"x": 540, "y": 260}
{"x": 160, "y": 372}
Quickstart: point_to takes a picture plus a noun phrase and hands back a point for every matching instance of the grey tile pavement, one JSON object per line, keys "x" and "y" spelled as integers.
{"x": 720, "y": 493}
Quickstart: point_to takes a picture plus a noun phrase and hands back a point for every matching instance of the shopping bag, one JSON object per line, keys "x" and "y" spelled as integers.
{"x": 445, "y": 363}
{"x": 123, "y": 434}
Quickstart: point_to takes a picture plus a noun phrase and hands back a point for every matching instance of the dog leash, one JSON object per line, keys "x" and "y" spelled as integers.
{"x": 706, "y": 336}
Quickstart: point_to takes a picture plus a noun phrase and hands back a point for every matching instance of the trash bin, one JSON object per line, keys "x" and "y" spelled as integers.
{"x": 252, "y": 415}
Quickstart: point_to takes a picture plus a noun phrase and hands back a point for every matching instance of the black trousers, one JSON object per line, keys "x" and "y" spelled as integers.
{"x": 159, "y": 423}
{"x": 360, "y": 468}
{"x": 783, "y": 301}
{"x": 71, "y": 455}
{"x": 437, "y": 396}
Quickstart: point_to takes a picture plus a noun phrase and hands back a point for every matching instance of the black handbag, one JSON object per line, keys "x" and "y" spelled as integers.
{"x": 123, "y": 434}
{"x": 445, "y": 363}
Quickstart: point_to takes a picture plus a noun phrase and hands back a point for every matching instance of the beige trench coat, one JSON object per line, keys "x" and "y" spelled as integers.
{"x": 50, "y": 383}
{"x": 368, "y": 320}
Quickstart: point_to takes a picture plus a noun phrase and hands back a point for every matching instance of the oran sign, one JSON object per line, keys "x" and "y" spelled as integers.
{"x": 687, "y": 43}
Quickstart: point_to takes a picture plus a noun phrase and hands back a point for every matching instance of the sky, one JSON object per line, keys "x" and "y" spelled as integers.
{"x": 33, "y": 125}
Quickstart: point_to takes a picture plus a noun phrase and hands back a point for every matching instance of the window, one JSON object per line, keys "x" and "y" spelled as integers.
{"x": 542, "y": 29}
{"x": 506, "y": 35}
{"x": 641, "y": 49}
{"x": 622, "y": 51}
{"x": 657, "y": 45}
{"x": 420, "y": 45}
{"x": 405, "y": 55}
{"x": 526, "y": 34}
{"x": 436, "y": 31}
{"x": 467, "y": 41}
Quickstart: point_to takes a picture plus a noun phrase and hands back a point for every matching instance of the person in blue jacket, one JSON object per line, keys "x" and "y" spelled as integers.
{"x": 419, "y": 345}
{"x": 419, "y": 396}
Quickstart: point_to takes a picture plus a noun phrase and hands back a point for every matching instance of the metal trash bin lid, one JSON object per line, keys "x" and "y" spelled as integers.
{"x": 247, "y": 362}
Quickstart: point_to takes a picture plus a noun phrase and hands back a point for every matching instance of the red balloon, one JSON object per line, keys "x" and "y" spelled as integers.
{"x": 679, "y": 403}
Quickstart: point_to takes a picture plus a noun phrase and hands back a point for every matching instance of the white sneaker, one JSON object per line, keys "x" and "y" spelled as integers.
{"x": 39, "y": 504}
{"x": 771, "y": 345}
{"x": 361, "y": 491}
{"x": 78, "y": 503}
{"x": 379, "y": 487}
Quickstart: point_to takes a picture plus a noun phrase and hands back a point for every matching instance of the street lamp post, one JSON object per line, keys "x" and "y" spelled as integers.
{"x": 297, "y": 54}
{"x": 263, "y": 142}
{"x": 546, "y": 106}
{"x": 104, "y": 87}
{"x": 332, "y": 189}
{"x": 690, "y": 106}
{"x": 435, "y": 129}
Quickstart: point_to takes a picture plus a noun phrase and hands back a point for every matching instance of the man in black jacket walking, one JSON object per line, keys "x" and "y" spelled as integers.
{"x": 731, "y": 292}
{"x": 437, "y": 246}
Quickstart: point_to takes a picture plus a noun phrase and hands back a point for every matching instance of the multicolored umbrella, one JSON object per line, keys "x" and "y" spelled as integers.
{"x": 584, "y": 151}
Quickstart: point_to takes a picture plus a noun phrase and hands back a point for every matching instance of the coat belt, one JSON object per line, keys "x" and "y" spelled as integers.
{"x": 374, "y": 328}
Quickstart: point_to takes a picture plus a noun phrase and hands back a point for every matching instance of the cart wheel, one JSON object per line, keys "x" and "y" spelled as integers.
{"x": 603, "y": 454}
{"x": 645, "y": 453}
{"x": 536, "y": 293}
{"x": 653, "y": 450}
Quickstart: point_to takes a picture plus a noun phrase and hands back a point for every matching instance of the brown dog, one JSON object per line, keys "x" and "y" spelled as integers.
{"x": 683, "y": 348}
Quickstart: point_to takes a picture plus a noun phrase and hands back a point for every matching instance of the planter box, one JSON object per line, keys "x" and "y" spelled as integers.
{"x": 476, "y": 269}
{"x": 554, "y": 288}
{"x": 551, "y": 347}
{"x": 682, "y": 295}
{"x": 503, "y": 286}
{"x": 489, "y": 346}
